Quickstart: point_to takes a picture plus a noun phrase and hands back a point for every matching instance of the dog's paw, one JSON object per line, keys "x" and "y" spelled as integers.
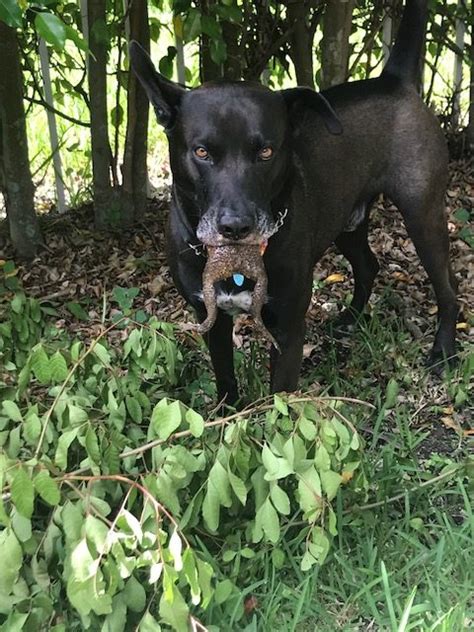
{"x": 439, "y": 362}
{"x": 346, "y": 322}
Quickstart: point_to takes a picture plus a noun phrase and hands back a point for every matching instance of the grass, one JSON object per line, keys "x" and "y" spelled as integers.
{"x": 403, "y": 565}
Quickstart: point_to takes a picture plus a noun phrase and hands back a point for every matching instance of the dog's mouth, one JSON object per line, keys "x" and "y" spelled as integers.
{"x": 266, "y": 226}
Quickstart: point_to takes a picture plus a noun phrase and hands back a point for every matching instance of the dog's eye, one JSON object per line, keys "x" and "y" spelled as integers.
{"x": 201, "y": 153}
{"x": 265, "y": 153}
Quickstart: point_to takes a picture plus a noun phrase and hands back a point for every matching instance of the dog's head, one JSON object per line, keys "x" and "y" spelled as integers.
{"x": 230, "y": 148}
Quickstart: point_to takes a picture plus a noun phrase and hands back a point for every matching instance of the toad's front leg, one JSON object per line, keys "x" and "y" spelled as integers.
{"x": 209, "y": 298}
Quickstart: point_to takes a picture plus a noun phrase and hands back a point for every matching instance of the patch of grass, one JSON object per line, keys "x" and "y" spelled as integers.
{"x": 401, "y": 565}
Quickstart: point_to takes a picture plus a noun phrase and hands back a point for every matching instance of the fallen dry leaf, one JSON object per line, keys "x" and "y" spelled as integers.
{"x": 334, "y": 278}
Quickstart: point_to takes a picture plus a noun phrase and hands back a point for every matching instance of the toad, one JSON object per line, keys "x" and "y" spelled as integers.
{"x": 224, "y": 262}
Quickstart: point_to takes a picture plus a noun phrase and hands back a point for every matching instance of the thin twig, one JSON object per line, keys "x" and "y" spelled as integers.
{"x": 393, "y": 499}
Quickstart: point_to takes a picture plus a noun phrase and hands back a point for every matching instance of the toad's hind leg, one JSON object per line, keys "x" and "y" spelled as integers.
{"x": 259, "y": 296}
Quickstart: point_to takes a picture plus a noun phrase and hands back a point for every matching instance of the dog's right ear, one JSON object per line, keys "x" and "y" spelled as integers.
{"x": 164, "y": 95}
{"x": 315, "y": 101}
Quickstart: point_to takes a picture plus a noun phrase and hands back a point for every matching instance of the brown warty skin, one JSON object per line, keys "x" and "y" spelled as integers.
{"x": 222, "y": 263}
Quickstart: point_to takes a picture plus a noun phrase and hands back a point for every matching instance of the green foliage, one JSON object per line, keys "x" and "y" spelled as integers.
{"x": 110, "y": 522}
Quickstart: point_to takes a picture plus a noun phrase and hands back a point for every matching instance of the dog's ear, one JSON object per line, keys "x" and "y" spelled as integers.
{"x": 164, "y": 95}
{"x": 307, "y": 98}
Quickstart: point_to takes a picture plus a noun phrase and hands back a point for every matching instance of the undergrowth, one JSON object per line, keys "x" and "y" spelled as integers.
{"x": 129, "y": 503}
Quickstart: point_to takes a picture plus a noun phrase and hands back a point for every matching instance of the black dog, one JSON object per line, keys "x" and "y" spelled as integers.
{"x": 251, "y": 165}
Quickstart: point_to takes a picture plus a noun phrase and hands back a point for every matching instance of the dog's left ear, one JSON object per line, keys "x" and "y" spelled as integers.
{"x": 305, "y": 97}
{"x": 163, "y": 94}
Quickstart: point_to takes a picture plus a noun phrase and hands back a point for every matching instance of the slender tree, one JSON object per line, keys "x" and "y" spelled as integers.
{"x": 107, "y": 207}
{"x": 15, "y": 179}
{"x": 302, "y": 29}
{"x": 134, "y": 171}
{"x": 470, "y": 127}
{"x": 337, "y": 24}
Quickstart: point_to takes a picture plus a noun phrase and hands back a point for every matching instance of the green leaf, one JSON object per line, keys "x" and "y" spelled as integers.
{"x": 211, "y": 508}
{"x": 92, "y": 446}
{"x": 341, "y": 431}
{"x": 307, "y": 428}
{"x": 280, "y": 499}
{"x": 269, "y": 521}
{"x": 219, "y": 479}
{"x": 96, "y": 532}
{"x": 11, "y": 410}
{"x": 47, "y": 488}
{"x": 21, "y": 526}
{"x": 51, "y": 29}
{"x": 134, "y": 595}
{"x": 223, "y": 591}
{"x": 76, "y": 350}
{"x": 175, "y": 612}
{"x": 11, "y": 13}
{"x": 78, "y": 40}
{"x": 238, "y": 487}
{"x": 102, "y": 354}
{"x": 82, "y": 563}
{"x": 62, "y": 449}
{"x": 149, "y": 624}
{"x": 23, "y": 493}
{"x": 322, "y": 460}
{"x": 166, "y": 418}
{"x": 77, "y": 416}
{"x": 175, "y": 547}
{"x": 191, "y": 574}
{"x": 391, "y": 393}
{"x": 319, "y": 545}
{"x": 12, "y": 558}
{"x": 276, "y": 467}
{"x": 32, "y": 427}
{"x": 117, "y": 619}
{"x": 39, "y": 569}
{"x": 195, "y": 421}
{"x": 309, "y": 491}
{"x": 280, "y": 405}
{"x": 58, "y": 367}
{"x": 331, "y": 482}
{"x": 134, "y": 409}
{"x": 192, "y": 25}
{"x": 278, "y": 558}
{"x": 77, "y": 310}
{"x": 40, "y": 365}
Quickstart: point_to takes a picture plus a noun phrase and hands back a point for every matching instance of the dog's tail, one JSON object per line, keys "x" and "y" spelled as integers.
{"x": 404, "y": 60}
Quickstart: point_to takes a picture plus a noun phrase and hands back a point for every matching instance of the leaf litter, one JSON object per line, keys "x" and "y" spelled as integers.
{"x": 78, "y": 269}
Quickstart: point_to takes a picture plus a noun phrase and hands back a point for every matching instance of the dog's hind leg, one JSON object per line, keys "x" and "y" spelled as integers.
{"x": 427, "y": 226}
{"x": 355, "y": 248}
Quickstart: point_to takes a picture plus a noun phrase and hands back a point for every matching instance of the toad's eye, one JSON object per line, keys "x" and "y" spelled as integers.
{"x": 265, "y": 153}
{"x": 201, "y": 153}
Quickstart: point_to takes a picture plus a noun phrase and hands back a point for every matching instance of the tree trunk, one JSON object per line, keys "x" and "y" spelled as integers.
{"x": 107, "y": 207}
{"x": 134, "y": 170}
{"x": 16, "y": 178}
{"x": 470, "y": 127}
{"x": 337, "y": 24}
{"x": 457, "y": 70}
{"x": 301, "y": 42}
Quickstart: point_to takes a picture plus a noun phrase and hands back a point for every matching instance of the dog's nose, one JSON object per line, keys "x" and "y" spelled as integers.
{"x": 235, "y": 227}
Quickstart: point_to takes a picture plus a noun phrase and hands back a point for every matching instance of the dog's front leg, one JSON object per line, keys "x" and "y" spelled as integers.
{"x": 285, "y": 366}
{"x": 219, "y": 342}
{"x": 287, "y": 324}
